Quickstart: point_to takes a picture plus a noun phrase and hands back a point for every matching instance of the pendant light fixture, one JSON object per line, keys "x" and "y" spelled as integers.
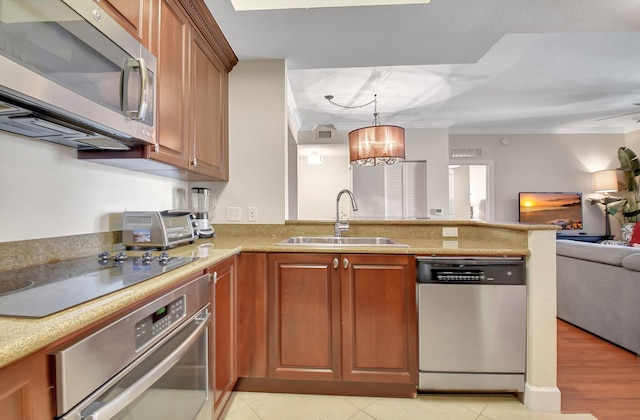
{"x": 377, "y": 144}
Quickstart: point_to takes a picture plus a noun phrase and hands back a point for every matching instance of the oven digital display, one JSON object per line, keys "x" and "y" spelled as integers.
{"x": 160, "y": 313}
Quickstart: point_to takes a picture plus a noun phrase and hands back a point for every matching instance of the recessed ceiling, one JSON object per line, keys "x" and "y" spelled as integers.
{"x": 473, "y": 66}
{"x": 307, "y": 4}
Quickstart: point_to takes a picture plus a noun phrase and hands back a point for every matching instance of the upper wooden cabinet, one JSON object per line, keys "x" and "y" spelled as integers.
{"x": 192, "y": 99}
{"x": 173, "y": 84}
{"x": 208, "y": 140}
{"x": 192, "y": 92}
{"x": 192, "y": 96}
{"x": 132, "y": 15}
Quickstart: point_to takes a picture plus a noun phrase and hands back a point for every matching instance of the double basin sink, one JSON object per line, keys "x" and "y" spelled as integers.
{"x": 344, "y": 241}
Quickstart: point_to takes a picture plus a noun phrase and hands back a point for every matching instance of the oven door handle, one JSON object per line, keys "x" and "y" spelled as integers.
{"x": 120, "y": 402}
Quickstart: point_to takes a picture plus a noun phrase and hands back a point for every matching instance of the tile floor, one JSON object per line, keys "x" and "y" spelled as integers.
{"x": 263, "y": 406}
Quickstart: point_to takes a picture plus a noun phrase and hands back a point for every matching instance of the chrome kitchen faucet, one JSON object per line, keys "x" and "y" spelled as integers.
{"x": 343, "y": 225}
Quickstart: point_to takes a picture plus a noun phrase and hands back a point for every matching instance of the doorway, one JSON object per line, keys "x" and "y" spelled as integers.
{"x": 470, "y": 190}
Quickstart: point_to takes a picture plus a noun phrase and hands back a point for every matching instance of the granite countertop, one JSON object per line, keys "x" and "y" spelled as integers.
{"x": 20, "y": 337}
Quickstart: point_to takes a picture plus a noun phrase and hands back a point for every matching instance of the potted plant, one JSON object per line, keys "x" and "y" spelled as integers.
{"x": 627, "y": 210}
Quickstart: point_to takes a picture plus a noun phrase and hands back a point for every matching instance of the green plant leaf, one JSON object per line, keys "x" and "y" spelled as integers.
{"x": 616, "y": 207}
{"x": 629, "y": 161}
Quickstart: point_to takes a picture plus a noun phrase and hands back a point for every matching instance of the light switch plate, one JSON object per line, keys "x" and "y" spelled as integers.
{"x": 233, "y": 214}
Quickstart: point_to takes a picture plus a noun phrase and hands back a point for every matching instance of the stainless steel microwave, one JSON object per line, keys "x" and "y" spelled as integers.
{"x": 71, "y": 75}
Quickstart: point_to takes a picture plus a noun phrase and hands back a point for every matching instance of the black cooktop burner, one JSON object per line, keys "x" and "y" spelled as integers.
{"x": 42, "y": 290}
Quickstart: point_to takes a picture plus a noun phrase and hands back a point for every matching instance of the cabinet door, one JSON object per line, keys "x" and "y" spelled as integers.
{"x": 132, "y": 15}
{"x": 251, "y": 315}
{"x": 174, "y": 39}
{"x": 25, "y": 391}
{"x": 209, "y": 116}
{"x": 224, "y": 332}
{"x": 379, "y": 331}
{"x": 304, "y": 317}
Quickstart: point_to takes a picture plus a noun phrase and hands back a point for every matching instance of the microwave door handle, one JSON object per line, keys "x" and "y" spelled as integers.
{"x": 143, "y": 102}
{"x": 125, "y": 398}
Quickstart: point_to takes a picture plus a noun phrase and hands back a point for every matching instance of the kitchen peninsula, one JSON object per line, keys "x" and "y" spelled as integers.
{"x": 23, "y": 337}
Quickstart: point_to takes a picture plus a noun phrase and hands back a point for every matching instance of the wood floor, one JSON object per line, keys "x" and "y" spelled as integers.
{"x": 597, "y": 377}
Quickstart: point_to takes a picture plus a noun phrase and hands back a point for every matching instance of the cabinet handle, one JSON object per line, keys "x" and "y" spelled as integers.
{"x": 215, "y": 277}
{"x": 345, "y": 263}
{"x": 194, "y": 162}
{"x": 335, "y": 263}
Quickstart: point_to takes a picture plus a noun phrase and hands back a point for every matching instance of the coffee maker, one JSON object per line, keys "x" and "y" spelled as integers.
{"x": 202, "y": 202}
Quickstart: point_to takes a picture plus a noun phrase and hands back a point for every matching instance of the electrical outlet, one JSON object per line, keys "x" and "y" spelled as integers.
{"x": 450, "y": 231}
{"x": 233, "y": 214}
{"x": 252, "y": 214}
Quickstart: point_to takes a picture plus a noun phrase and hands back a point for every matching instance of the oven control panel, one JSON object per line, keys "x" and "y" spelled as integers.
{"x": 159, "y": 321}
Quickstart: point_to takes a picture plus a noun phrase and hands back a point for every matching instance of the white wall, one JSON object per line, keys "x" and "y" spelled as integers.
{"x": 545, "y": 162}
{"x": 319, "y": 185}
{"x": 46, "y": 192}
{"x": 633, "y": 141}
{"x": 432, "y": 145}
{"x": 257, "y": 143}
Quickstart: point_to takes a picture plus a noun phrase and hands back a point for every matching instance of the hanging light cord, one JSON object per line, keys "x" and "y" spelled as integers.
{"x": 374, "y": 102}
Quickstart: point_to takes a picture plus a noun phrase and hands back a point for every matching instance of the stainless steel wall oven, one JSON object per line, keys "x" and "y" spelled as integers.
{"x": 149, "y": 364}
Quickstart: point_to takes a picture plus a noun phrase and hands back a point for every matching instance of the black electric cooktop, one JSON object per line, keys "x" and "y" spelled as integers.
{"x": 42, "y": 290}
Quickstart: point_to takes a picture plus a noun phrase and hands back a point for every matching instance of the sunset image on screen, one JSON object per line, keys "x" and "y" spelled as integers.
{"x": 561, "y": 209}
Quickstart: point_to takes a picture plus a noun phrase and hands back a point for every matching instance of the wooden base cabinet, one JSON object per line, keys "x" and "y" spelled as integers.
{"x": 304, "y": 317}
{"x": 342, "y": 317}
{"x": 25, "y": 390}
{"x": 379, "y": 324}
{"x": 223, "y": 338}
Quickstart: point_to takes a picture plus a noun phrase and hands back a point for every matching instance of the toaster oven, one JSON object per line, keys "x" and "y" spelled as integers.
{"x": 155, "y": 229}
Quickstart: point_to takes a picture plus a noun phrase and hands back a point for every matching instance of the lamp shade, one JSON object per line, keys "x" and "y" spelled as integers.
{"x": 605, "y": 181}
{"x": 376, "y": 145}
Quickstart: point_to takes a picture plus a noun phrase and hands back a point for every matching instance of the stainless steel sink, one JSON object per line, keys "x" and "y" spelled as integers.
{"x": 341, "y": 241}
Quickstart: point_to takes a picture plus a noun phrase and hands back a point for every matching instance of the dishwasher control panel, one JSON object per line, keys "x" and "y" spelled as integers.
{"x": 462, "y": 276}
{"x": 471, "y": 270}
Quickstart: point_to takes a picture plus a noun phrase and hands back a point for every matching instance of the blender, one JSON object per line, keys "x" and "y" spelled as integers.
{"x": 202, "y": 201}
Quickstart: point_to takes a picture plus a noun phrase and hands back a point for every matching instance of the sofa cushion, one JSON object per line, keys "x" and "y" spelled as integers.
{"x": 635, "y": 236}
{"x": 606, "y": 254}
{"x": 631, "y": 262}
{"x": 626, "y": 230}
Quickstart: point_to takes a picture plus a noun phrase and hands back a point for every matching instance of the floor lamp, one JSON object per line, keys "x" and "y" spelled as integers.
{"x": 605, "y": 182}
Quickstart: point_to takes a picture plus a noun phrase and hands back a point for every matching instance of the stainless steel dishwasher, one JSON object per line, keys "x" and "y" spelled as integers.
{"x": 472, "y": 324}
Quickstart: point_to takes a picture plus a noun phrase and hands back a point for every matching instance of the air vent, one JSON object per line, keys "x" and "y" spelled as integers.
{"x": 324, "y": 134}
{"x": 465, "y": 152}
{"x": 139, "y": 220}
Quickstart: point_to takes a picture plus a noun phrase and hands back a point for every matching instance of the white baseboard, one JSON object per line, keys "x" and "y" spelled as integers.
{"x": 542, "y": 398}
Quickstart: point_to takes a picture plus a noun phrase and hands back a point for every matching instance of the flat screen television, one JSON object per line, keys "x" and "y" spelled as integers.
{"x": 563, "y": 209}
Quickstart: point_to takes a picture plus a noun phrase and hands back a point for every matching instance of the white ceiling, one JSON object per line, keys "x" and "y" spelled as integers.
{"x": 490, "y": 66}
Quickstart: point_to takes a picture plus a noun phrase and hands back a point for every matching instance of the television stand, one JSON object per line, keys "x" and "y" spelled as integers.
{"x": 582, "y": 236}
